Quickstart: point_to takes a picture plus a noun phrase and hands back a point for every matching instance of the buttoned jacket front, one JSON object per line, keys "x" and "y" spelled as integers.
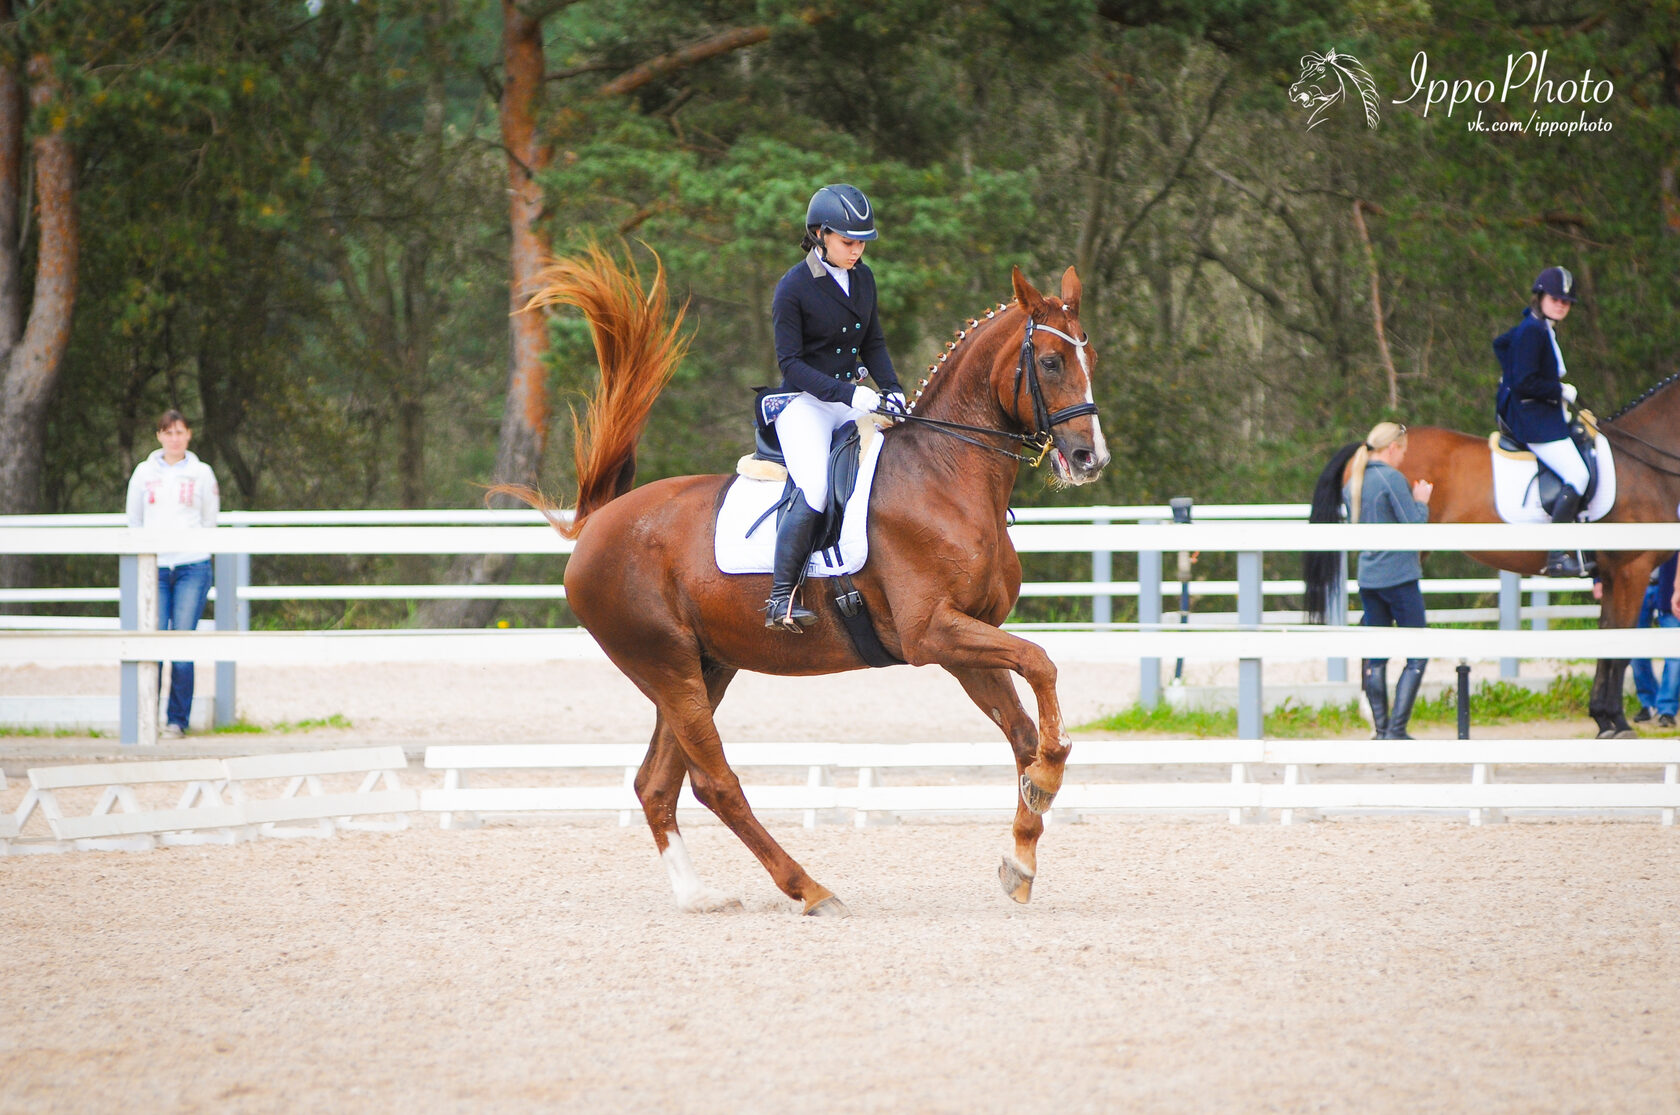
{"x": 824, "y": 334}
{"x": 1530, "y": 386}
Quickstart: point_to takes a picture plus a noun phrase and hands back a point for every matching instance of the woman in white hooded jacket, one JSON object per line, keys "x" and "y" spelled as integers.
{"x": 173, "y": 490}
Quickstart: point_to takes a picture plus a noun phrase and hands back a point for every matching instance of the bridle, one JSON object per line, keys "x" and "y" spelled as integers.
{"x": 1044, "y": 420}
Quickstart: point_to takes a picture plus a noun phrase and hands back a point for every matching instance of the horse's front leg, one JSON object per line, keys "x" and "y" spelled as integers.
{"x": 994, "y": 692}
{"x": 957, "y": 641}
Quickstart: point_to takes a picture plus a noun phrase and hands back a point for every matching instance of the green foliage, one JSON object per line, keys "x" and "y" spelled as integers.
{"x": 285, "y": 727}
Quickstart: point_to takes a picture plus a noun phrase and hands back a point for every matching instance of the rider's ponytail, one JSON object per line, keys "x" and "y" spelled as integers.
{"x": 1382, "y": 435}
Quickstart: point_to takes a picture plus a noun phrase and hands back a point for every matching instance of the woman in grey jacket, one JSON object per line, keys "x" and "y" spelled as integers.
{"x": 1377, "y": 492}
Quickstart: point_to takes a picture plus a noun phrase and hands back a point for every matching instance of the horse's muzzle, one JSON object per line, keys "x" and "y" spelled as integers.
{"x": 1080, "y": 464}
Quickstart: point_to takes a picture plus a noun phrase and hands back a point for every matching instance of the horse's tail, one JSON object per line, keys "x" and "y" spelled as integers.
{"x": 1322, "y": 570}
{"x": 638, "y": 350}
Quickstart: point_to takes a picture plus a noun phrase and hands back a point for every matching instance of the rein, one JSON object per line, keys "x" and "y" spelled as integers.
{"x": 1616, "y": 432}
{"x": 1040, "y": 439}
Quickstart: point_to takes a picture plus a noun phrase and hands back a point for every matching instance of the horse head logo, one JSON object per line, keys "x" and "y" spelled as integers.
{"x": 1325, "y": 80}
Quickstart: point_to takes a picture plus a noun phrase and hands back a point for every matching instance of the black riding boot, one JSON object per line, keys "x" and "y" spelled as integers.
{"x": 1405, "y": 694}
{"x": 793, "y": 550}
{"x": 1564, "y": 563}
{"x": 1373, "y": 674}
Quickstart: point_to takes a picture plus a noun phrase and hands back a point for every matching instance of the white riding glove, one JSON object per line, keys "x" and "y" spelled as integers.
{"x": 865, "y": 398}
{"x": 894, "y": 403}
{"x": 1568, "y": 393}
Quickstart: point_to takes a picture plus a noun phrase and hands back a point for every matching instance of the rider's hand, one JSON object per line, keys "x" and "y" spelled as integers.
{"x": 893, "y": 402}
{"x": 1422, "y": 490}
{"x": 865, "y": 398}
{"x": 1569, "y": 393}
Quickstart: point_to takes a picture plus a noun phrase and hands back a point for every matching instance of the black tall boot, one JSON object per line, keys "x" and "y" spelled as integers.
{"x": 1373, "y": 674}
{"x": 1405, "y": 694}
{"x": 1565, "y": 563}
{"x": 793, "y": 550}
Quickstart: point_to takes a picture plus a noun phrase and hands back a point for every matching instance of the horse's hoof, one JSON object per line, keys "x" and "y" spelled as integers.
{"x": 830, "y": 907}
{"x": 1618, "y": 733}
{"x": 1035, "y": 799}
{"x": 1017, "y": 883}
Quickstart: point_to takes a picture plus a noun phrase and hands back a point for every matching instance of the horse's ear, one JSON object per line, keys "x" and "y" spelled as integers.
{"x": 1071, "y": 290}
{"x": 1029, "y": 298}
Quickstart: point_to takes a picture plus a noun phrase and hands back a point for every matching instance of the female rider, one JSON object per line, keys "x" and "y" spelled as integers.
{"x": 1532, "y": 395}
{"x": 828, "y": 338}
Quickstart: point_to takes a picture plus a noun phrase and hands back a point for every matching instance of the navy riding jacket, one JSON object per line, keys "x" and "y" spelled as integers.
{"x": 827, "y": 340}
{"x": 1530, "y": 388}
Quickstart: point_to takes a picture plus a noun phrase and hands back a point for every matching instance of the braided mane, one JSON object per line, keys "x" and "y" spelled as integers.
{"x": 950, "y": 346}
{"x": 1649, "y": 391}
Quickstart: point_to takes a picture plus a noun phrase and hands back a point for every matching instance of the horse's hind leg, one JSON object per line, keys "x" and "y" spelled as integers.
{"x": 687, "y": 716}
{"x": 994, "y": 692}
{"x": 658, "y": 784}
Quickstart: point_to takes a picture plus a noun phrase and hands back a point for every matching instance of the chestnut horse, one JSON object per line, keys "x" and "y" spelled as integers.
{"x": 940, "y": 577}
{"x": 1645, "y": 438}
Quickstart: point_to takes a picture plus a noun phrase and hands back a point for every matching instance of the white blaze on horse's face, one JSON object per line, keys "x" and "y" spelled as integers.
{"x": 1090, "y": 468}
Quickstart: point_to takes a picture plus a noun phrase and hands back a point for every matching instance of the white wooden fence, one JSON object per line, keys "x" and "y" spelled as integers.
{"x": 223, "y": 801}
{"x": 1248, "y": 642}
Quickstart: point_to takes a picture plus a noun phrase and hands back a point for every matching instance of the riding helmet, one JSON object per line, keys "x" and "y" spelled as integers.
{"x": 1557, "y": 282}
{"x": 843, "y": 209}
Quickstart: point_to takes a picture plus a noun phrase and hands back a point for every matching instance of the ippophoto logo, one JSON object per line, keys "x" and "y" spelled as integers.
{"x": 1525, "y": 78}
{"x": 1327, "y": 80}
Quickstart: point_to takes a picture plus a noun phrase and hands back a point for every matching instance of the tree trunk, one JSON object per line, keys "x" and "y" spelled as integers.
{"x": 31, "y": 351}
{"x": 524, "y": 430}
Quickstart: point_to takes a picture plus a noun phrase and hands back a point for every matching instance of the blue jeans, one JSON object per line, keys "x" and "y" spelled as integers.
{"x": 182, "y": 590}
{"x": 1664, "y": 698}
{"x": 1395, "y": 606}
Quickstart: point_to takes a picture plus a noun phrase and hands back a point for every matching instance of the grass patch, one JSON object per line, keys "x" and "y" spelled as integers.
{"x": 286, "y": 727}
{"x": 1491, "y": 702}
{"x": 50, "y": 733}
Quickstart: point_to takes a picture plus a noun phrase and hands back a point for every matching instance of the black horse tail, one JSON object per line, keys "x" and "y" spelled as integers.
{"x": 1322, "y": 570}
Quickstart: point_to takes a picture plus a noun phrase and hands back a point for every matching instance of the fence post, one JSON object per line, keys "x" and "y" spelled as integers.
{"x": 1336, "y": 669}
{"x": 1540, "y": 599}
{"x": 1463, "y": 699}
{"x": 137, "y": 610}
{"x": 128, "y": 618}
{"x": 1510, "y": 615}
{"x": 1149, "y": 611}
{"x": 1102, "y": 577}
{"x": 1250, "y": 598}
{"x": 233, "y": 613}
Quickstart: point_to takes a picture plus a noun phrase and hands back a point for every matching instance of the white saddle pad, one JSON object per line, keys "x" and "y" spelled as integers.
{"x": 748, "y": 500}
{"x": 1516, "y": 491}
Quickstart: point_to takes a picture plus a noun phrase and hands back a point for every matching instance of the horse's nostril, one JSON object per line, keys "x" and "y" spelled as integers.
{"x": 1084, "y": 459}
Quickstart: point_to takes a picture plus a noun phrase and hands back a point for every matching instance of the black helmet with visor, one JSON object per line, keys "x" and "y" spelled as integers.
{"x": 843, "y": 209}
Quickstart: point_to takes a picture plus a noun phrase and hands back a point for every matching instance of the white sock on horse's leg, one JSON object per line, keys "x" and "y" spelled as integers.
{"x": 692, "y": 895}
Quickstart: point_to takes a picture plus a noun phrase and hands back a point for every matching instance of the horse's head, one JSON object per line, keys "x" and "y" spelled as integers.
{"x": 1324, "y": 81}
{"x": 1308, "y": 90}
{"x": 1044, "y": 381}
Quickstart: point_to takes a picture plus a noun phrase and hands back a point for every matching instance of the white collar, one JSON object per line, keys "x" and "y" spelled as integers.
{"x": 841, "y": 275}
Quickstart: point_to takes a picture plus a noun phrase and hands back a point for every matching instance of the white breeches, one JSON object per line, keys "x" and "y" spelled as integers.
{"x": 805, "y": 428}
{"x": 1564, "y": 459}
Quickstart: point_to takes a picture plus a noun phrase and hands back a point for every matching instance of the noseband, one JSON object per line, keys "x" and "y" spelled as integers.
{"x": 1026, "y": 368}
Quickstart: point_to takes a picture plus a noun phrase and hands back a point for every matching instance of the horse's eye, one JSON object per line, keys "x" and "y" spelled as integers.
{"x": 1051, "y": 363}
